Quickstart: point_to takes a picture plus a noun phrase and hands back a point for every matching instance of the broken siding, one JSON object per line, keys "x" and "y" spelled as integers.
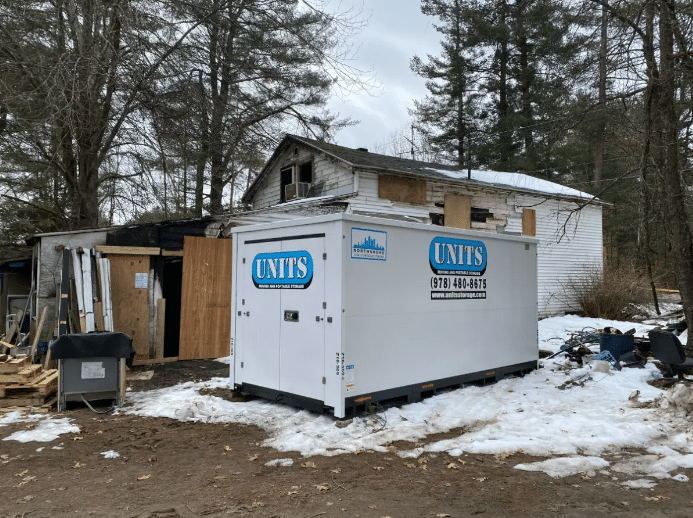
{"x": 498, "y": 204}
{"x": 501, "y": 205}
{"x": 367, "y": 202}
{"x": 336, "y": 178}
{"x": 568, "y": 242}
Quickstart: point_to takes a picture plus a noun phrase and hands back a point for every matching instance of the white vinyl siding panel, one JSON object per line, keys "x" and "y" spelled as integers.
{"x": 569, "y": 241}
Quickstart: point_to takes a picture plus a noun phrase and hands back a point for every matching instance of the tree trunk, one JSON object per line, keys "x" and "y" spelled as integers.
{"x": 599, "y": 147}
{"x": 526, "y": 98}
{"x": 674, "y": 195}
{"x": 503, "y": 115}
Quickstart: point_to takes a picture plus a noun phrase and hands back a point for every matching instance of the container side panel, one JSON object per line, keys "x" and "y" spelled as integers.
{"x": 426, "y": 304}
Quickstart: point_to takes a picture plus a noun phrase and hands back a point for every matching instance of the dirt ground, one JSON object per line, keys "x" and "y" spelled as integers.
{"x": 170, "y": 469}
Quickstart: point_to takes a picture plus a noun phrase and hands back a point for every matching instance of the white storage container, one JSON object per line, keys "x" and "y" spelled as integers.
{"x": 336, "y": 312}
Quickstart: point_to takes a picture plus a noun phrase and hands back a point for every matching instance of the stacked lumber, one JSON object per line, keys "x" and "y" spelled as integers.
{"x": 23, "y": 384}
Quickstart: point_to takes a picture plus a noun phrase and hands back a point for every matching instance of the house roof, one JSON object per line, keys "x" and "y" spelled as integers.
{"x": 363, "y": 159}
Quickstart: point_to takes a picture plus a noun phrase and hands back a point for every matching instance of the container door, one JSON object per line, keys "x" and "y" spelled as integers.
{"x": 302, "y": 317}
{"x": 257, "y": 320}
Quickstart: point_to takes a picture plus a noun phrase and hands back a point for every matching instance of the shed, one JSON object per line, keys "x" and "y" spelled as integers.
{"x": 305, "y": 176}
{"x": 170, "y": 284}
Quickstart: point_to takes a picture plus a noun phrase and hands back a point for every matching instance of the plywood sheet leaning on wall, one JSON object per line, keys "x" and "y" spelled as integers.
{"x": 205, "y": 324}
{"x": 130, "y": 299}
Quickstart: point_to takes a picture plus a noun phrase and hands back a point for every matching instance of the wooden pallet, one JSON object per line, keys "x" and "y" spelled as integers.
{"x": 27, "y": 375}
{"x": 40, "y": 408}
{"x": 42, "y": 385}
{"x": 13, "y": 365}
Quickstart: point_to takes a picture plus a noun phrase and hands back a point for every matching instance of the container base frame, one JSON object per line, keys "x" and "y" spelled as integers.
{"x": 356, "y": 405}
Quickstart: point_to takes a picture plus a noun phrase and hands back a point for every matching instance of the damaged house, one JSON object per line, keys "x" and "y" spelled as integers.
{"x": 307, "y": 177}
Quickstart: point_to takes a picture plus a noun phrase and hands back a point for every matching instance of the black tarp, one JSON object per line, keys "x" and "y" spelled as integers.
{"x": 92, "y": 345}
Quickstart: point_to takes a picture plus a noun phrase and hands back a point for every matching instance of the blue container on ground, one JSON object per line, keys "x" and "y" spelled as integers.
{"x": 617, "y": 345}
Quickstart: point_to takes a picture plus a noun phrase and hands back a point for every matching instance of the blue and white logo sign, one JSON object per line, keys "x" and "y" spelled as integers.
{"x": 368, "y": 244}
{"x": 283, "y": 270}
{"x": 451, "y": 256}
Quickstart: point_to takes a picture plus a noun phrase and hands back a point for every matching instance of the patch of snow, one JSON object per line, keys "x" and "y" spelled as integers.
{"x": 110, "y": 454}
{"x": 18, "y": 417}
{"x": 49, "y": 429}
{"x": 566, "y": 466}
{"x": 517, "y": 181}
{"x": 680, "y": 398}
{"x": 279, "y": 462}
{"x": 641, "y": 483}
{"x": 660, "y": 461}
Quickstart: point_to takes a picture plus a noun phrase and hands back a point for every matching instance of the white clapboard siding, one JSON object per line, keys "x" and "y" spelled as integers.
{"x": 336, "y": 178}
{"x": 367, "y": 202}
{"x": 568, "y": 242}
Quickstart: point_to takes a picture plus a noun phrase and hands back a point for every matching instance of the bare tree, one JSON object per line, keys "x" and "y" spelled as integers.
{"x": 90, "y": 89}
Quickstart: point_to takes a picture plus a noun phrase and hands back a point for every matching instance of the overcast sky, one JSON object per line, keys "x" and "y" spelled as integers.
{"x": 397, "y": 31}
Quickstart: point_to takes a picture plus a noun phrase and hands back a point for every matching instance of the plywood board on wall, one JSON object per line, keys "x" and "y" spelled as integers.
{"x": 205, "y": 323}
{"x": 405, "y": 190}
{"x": 529, "y": 222}
{"x": 458, "y": 211}
{"x": 130, "y": 299}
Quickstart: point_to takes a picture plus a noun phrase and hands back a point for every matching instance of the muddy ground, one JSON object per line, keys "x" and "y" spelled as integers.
{"x": 170, "y": 469}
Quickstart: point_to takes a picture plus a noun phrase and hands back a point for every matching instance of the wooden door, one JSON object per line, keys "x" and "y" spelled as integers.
{"x": 130, "y": 299}
{"x": 205, "y": 320}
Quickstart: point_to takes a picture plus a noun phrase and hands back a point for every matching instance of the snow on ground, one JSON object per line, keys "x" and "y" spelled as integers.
{"x": 47, "y": 430}
{"x": 580, "y": 419}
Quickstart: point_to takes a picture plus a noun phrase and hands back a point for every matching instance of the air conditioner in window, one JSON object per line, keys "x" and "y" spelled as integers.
{"x": 296, "y": 191}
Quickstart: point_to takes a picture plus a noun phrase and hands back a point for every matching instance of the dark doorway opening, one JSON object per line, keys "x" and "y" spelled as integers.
{"x": 171, "y": 291}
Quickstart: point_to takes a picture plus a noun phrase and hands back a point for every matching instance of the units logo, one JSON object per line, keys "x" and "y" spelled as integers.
{"x": 283, "y": 270}
{"x": 450, "y": 256}
{"x": 368, "y": 244}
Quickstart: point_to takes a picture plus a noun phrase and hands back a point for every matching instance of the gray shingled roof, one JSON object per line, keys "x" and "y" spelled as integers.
{"x": 366, "y": 159}
{"x": 363, "y": 159}
{"x": 357, "y": 158}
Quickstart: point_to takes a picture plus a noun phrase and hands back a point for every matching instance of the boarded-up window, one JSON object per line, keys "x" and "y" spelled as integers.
{"x": 529, "y": 222}
{"x": 401, "y": 189}
{"x": 458, "y": 211}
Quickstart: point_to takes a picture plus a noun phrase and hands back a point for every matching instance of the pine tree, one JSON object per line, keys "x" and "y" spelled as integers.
{"x": 513, "y": 63}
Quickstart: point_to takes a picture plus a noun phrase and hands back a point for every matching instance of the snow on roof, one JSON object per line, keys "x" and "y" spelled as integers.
{"x": 516, "y": 181}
